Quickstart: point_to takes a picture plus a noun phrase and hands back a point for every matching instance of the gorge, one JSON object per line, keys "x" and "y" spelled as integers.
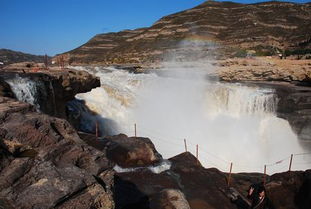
{"x": 164, "y": 117}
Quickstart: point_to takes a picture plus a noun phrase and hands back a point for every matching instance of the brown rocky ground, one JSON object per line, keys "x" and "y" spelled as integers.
{"x": 45, "y": 164}
{"x": 264, "y": 69}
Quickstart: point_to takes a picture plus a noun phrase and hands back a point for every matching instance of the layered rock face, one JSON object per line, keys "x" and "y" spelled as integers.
{"x": 264, "y": 69}
{"x": 49, "y": 90}
{"x": 210, "y": 29}
{"x": 295, "y": 106}
{"x": 44, "y": 163}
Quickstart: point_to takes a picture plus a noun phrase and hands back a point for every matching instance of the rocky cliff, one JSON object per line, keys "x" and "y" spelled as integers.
{"x": 48, "y": 90}
{"x": 44, "y": 163}
{"x": 264, "y": 69}
{"x": 218, "y": 29}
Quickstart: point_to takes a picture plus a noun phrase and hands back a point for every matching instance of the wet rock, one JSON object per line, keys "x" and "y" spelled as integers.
{"x": 295, "y": 106}
{"x": 132, "y": 151}
{"x": 52, "y": 88}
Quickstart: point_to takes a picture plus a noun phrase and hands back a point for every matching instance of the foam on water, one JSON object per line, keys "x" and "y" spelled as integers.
{"x": 25, "y": 90}
{"x": 163, "y": 166}
{"x": 229, "y": 122}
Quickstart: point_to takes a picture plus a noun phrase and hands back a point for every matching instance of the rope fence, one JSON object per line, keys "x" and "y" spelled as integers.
{"x": 295, "y": 161}
{"x": 289, "y": 163}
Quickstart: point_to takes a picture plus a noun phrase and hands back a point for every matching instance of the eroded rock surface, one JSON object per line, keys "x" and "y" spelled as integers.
{"x": 169, "y": 199}
{"x": 201, "y": 187}
{"x": 44, "y": 163}
{"x": 49, "y": 90}
{"x": 264, "y": 69}
{"x": 132, "y": 151}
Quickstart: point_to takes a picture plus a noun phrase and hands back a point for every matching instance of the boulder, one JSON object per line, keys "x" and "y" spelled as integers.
{"x": 169, "y": 199}
{"x": 135, "y": 189}
{"x": 132, "y": 151}
{"x": 201, "y": 186}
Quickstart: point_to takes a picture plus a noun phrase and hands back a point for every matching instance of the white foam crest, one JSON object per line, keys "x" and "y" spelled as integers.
{"x": 25, "y": 90}
{"x": 163, "y": 166}
{"x": 115, "y": 96}
{"x": 229, "y": 122}
{"x": 237, "y": 100}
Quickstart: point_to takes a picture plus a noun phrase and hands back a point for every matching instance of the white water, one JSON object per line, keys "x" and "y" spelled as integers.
{"x": 163, "y": 166}
{"x": 25, "y": 90}
{"x": 229, "y": 122}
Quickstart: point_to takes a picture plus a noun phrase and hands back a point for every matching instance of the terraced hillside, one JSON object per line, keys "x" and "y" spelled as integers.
{"x": 217, "y": 29}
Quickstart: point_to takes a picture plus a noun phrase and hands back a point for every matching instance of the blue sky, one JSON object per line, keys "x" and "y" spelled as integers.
{"x": 56, "y": 26}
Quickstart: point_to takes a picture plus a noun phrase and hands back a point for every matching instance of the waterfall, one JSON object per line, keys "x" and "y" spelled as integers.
{"x": 26, "y": 90}
{"x": 237, "y": 100}
{"x": 230, "y": 122}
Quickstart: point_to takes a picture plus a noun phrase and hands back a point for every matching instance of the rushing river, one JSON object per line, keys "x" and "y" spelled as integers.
{"x": 228, "y": 122}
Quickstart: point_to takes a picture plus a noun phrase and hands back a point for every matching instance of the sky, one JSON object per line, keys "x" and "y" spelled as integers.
{"x": 56, "y": 26}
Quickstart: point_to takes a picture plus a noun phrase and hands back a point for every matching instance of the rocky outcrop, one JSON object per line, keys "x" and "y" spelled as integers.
{"x": 169, "y": 199}
{"x": 132, "y": 151}
{"x": 294, "y": 105}
{"x": 264, "y": 69}
{"x": 127, "y": 152}
{"x": 296, "y": 186}
{"x": 202, "y": 188}
{"x": 210, "y": 29}
{"x": 44, "y": 163}
{"x": 48, "y": 90}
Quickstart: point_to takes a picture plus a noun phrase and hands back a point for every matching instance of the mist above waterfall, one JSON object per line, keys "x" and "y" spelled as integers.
{"x": 229, "y": 122}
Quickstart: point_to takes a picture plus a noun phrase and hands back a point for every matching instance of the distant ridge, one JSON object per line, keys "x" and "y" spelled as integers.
{"x": 218, "y": 29}
{"x": 8, "y": 56}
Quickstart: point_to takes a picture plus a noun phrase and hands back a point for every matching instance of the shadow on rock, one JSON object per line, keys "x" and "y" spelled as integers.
{"x": 128, "y": 196}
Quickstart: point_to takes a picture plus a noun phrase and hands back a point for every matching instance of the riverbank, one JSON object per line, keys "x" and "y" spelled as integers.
{"x": 264, "y": 69}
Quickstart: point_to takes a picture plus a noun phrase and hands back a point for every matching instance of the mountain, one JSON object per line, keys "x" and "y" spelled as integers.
{"x": 217, "y": 29}
{"x": 9, "y": 56}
